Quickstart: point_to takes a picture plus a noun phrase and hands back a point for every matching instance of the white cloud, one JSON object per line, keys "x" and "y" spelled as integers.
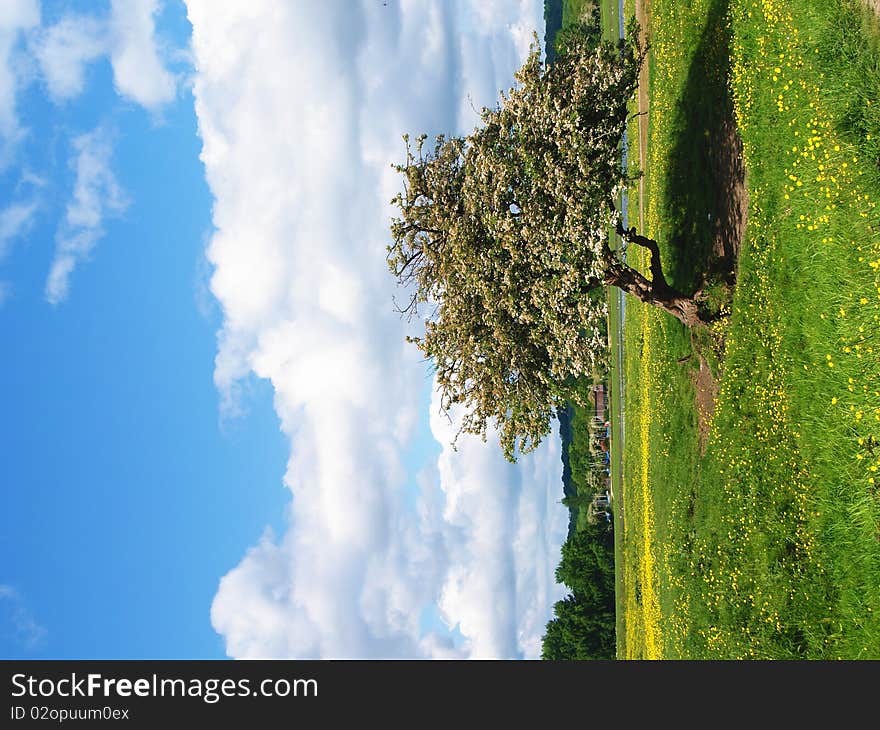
{"x": 503, "y": 528}
{"x": 17, "y": 622}
{"x": 64, "y": 49}
{"x": 96, "y": 195}
{"x": 16, "y": 16}
{"x": 127, "y": 36}
{"x": 137, "y": 68}
{"x": 14, "y": 220}
{"x": 301, "y": 107}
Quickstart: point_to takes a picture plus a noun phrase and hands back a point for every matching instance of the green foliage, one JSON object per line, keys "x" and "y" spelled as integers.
{"x": 581, "y": 27}
{"x": 576, "y": 12}
{"x": 581, "y": 455}
{"x": 584, "y": 623}
{"x": 584, "y": 468}
{"x": 553, "y": 14}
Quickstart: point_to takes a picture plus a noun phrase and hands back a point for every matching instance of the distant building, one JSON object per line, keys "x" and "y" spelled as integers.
{"x": 599, "y": 398}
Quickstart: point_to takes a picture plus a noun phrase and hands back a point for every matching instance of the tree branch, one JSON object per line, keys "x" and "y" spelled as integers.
{"x": 630, "y": 236}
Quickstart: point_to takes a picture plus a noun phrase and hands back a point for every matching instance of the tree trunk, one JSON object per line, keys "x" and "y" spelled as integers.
{"x": 656, "y": 290}
{"x": 683, "y": 308}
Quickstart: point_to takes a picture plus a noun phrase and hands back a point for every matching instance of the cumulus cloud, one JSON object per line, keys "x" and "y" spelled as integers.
{"x": 16, "y": 16}
{"x": 96, "y": 196}
{"x": 301, "y": 108}
{"x": 137, "y": 67}
{"x": 17, "y": 623}
{"x": 127, "y": 36}
{"x": 502, "y": 526}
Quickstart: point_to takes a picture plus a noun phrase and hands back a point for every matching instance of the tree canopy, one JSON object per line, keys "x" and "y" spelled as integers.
{"x": 583, "y": 623}
{"x": 502, "y": 241}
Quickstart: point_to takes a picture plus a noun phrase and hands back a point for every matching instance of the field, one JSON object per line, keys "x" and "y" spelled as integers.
{"x": 751, "y": 492}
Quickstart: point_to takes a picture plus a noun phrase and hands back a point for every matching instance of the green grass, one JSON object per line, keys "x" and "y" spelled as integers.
{"x": 766, "y": 545}
{"x": 608, "y": 13}
{"x": 574, "y": 10}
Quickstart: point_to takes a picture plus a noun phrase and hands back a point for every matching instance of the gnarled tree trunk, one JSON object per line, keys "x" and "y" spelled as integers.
{"x": 656, "y": 290}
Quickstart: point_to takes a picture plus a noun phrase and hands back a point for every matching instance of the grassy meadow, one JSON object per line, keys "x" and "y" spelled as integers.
{"x": 750, "y": 483}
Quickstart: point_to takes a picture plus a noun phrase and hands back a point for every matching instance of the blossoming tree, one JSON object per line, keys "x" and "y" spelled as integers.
{"x": 503, "y": 236}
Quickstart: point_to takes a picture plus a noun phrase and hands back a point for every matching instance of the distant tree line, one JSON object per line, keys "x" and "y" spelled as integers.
{"x": 552, "y": 25}
{"x": 583, "y": 626}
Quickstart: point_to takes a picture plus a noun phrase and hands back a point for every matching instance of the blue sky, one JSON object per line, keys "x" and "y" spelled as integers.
{"x": 215, "y": 440}
{"x": 127, "y": 495}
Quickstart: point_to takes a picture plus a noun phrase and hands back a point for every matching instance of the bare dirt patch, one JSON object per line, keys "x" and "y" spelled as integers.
{"x": 874, "y": 5}
{"x": 705, "y": 394}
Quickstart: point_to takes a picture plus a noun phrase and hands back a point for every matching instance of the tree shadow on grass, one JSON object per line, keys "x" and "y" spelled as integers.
{"x": 704, "y": 199}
